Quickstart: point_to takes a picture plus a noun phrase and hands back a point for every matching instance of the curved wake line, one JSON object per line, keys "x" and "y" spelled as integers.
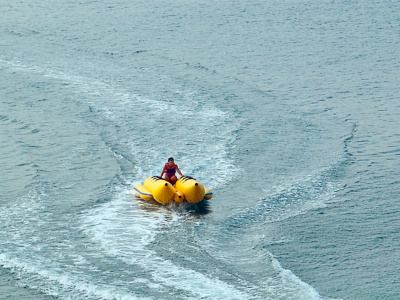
{"x": 288, "y": 276}
{"x": 41, "y": 259}
{"x": 50, "y": 281}
{"x": 203, "y": 146}
{"x": 127, "y": 237}
{"x": 297, "y": 196}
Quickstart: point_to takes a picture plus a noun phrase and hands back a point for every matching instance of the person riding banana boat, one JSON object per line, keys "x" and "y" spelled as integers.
{"x": 169, "y": 188}
{"x": 170, "y": 168}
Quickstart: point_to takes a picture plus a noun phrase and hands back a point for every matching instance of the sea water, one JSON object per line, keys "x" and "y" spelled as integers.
{"x": 289, "y": 111}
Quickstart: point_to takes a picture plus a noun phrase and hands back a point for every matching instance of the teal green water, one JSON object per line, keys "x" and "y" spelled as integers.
{"x": 287, "y": 111}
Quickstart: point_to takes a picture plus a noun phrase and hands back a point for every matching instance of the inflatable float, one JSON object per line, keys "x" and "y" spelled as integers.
{"x": 186, "y": 188}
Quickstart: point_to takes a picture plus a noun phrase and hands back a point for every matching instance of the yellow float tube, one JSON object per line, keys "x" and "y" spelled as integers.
{"x": 158, "y": 189}
{"x": 192, "y": 190}
{"x": 164, "y": 192}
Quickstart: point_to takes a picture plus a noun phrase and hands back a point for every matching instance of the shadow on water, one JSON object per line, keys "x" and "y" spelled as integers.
{"x": 199, "y": 209}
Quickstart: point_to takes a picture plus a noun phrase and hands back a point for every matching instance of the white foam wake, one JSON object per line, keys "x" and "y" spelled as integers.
{"x": 124, "y": 232}
{"x": 182, "y": 123}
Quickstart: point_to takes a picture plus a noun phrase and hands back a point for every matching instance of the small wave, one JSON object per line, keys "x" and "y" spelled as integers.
{"x": 286, "y": 200}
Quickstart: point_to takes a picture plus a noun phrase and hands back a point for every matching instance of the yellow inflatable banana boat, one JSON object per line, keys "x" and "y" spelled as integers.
{"x": 186, "y": 188}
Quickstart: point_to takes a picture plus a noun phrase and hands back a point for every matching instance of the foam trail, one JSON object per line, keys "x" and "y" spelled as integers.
{"x": 198, "y": 149}
{"x": 37, "y": 253}
{"x": 127, "y": 237}
{"x": 54, "y": 283}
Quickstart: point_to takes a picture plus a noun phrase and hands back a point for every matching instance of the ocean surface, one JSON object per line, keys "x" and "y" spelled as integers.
{"x": 288, "y": 110}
